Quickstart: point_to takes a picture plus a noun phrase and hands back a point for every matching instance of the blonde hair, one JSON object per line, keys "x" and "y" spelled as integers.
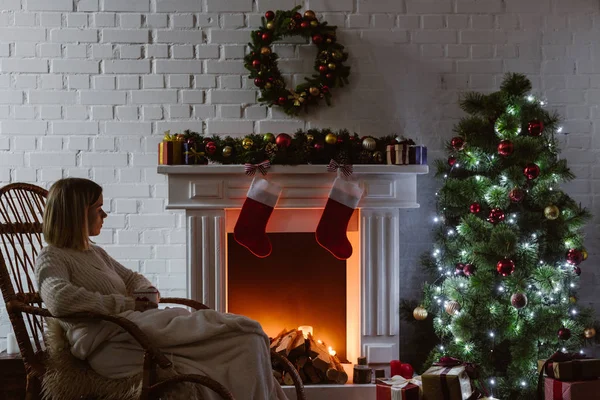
{"x": 66, "y": 214}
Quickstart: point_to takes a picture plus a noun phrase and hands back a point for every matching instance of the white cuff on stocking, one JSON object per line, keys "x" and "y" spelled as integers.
{"x": 264, "y": 192}
{"x": 346, "y": 193}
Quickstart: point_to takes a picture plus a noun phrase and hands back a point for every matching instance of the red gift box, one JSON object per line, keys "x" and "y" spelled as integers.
{"x": 579, "y": 390}
{"x": 398, "y": 388}
{"x": 397, "y": 154}
{"x": 165, "y": 153}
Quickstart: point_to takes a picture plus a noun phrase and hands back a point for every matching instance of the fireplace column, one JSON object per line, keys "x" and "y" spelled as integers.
{"x": 380, "y": 286}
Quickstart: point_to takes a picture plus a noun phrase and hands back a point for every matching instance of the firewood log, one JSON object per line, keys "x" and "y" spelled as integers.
{"x": 311, "y": 373}
{"x": 336, "y": 372}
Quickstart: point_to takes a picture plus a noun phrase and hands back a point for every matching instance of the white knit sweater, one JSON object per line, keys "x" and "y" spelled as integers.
{"x": 72, "y": 281}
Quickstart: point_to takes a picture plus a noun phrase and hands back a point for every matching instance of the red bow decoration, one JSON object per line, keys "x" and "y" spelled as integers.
{"x": 261, "y": 167}
{"x": 345, "y": 168}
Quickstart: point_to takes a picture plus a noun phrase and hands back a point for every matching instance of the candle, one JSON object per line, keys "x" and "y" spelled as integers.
{"x": 306, "y": 329}
{"x": 395, "y": 367}
{"x": 12, "y": 347}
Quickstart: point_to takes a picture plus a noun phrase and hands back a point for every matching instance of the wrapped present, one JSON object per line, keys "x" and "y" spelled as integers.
{"x": 450, "y": 379}
{"x": 165, "y": 150}
{"x": 570, "y": 367}
{"x": 191, "y": 155}
{"x": 417, "y": 155}
{"x": 397, "y": 154}
{"x": 399, "y": 388}
{"x": 578, "y": 390}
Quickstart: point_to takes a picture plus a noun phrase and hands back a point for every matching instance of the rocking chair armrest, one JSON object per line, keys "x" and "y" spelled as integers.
{"x": 196, "y": 305}
{"x": 202, "y": 380}
{"x": 127, "y": 325}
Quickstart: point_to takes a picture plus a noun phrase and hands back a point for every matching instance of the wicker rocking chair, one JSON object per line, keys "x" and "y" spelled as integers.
{"x": 21, "y": 210}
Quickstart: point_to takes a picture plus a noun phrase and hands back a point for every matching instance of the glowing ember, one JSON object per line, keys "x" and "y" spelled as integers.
{"x": 332, "y": 352}
{"x": 306, "y": 329}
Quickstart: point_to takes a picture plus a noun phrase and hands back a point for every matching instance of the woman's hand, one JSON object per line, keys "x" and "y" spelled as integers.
{"x": 144, "y": 305}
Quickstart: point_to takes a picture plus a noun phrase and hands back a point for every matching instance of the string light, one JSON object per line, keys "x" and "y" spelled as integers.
{"x": 451, "y": 232}
{"x": 436, "y": 219}
{"x": 523, "y": 383}
{"x": 441, "y": 348}
{"x": 560, "y": 129}
{"x": 492, "y": 382}
{"x": 492, "y": 334}
{"x": 574, "y": 311}
{"x": 530, "y": 98}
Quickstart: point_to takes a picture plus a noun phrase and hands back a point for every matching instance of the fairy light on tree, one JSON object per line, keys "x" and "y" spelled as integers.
{"x": 501, "y": 211}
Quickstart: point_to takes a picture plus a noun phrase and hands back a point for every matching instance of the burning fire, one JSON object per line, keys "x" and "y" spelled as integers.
{"x": 306, "y": 330}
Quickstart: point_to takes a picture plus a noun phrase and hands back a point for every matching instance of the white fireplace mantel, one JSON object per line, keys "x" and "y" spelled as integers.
{"x": 209, "y": 193}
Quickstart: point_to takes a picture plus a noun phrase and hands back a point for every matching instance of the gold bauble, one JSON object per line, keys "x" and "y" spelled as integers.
{"x": 269, "y": 137}
{"x": 309, "y": 14}
{"x": 337, "y": 55}
{"x": 551, "y": 212}
{"x": 247, "y": 143}
{"x": 314, "y": 91}
{"x": 378, "y": 157}
{"x": 369, "y": 143}
{"x": 314, "y": 23}
{"x": 589, "y": 333}
{"x": 420, "y": 313}
{"x": 330, "y": 138}
{"x": 227, "y": 150}
{"x": 328, "y": 40}
{"x": 270, "y": 25}
{"x": 265, "y": 51}
{"x": 331, "y": 66}
{"x": 309, "y": 138}
{"x": 572, "y": 299}
{"x": 268, "y": 85}
{"x": 584, "y": 253}
{"x": 452, "y": 307}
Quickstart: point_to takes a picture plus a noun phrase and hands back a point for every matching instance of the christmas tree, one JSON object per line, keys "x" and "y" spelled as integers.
{"x": 508, "y": 243}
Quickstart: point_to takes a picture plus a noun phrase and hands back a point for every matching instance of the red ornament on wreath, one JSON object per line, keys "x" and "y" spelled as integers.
{"x": 269, "y": 15}
{"x": 505, "y": 267}
{"x": 577, "y": 271}
{"x": 281, "y": 101}
{"x": 451, "y": 161}
{"x": 283, "y": 140}
{"x": 564, "y": 333}
{"x": 469, "y": 269}
{"x": 460, "y": 269}
{"x": 475, "y": 208}
{"x": 457, "y": 143}
{"x": 210, "y": 147}
{"x": 516, "y": 195}
{"x": 574, "y": 257}
{"x": 531, "y": 171}
{"x": 255, "y": 63}
{"x": 535, "y": 128}
{"x": 505, "y": 148}
{"x": 266, "y": 37}
{"x": 259, "y": 82}
{"x": 518, "y": 300}
{"x": 496, "y": 215}
{"x": 317, "y": 39}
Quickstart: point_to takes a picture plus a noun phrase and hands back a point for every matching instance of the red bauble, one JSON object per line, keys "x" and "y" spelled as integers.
{"x": 505, "y": 148}
{"x": 516, "y": 195}
{"x": 531, "y": 171}
{"x": 564, "y": 333}
{"x": 281, "y": 101}
{"x": 469, "y": 269}
{"x": 457, "y": 143}
{"x": 304, "y": 24}
{"x": 535, "y": 128}
{"x": 475, "y": 208}
{"x": 210, "y": 147}
{"x": 329, "y": 76}
{"x": 406, "y": 371}
{"x": 518, "y": 300}
{"x": 574, "y": 257}
{"x": 505, "y": 267}
{"x": 259, "y": 82}
{"x": 322, "y": 69}
{"x": 577, "y": 271}
{"x": 496, "y": 215}
{"x": 297, "y": 17}
{"x": 266, "y": 37}
{"x": 255, "y": 63}
{"x": 460, "y": 269}
{"x": 269, "y": 15}
{"x": 317, "y": 39}
{"x": 451, "y": 161}
{"x": 319, "y": 146}
{"x": 325, "y": 89}
{"x": 283, "y": 140}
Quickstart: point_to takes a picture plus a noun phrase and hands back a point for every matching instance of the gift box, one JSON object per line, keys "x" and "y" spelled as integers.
{"x": 397, "y": 154}
{"x": 165, "y": 153}
{"x": 417, "y": 155}
{"x": 446, "y": 383}
{"x": 578, "y": 369}
{"x": 578, "y": 390}
{"x": 398, "y": 388}
{"x": 191, "y": 155}
{"x": 170, "y": 150}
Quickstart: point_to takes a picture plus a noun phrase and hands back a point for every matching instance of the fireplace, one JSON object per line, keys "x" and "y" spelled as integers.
{"x": 359, "y": 297}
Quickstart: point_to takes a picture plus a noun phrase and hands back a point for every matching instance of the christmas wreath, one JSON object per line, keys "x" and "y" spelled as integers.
{"x": 329, "y": 63}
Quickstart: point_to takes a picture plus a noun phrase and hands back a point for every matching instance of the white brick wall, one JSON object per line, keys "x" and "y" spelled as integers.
{"x": 87, "y": 87}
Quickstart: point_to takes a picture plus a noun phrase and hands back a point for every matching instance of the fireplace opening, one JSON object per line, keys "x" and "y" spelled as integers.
{"x": 299, "y": 284}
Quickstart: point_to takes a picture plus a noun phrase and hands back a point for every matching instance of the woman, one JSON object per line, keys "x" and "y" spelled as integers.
{"x": 75, "y": 275}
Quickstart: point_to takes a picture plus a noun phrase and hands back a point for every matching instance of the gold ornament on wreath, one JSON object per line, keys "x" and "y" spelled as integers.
{"x": 420, "y": 313}
{"x": 261, "y": 62}
{"x": 551, "y": 212}
{"x": 452, "y": 307}
{"x": 589, "y": 332}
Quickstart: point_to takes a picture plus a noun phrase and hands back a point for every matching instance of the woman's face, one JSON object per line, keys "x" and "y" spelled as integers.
{"x": 96, "y": 217}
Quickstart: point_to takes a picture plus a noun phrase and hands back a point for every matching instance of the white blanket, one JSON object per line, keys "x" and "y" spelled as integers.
{"x": 229, "y": 348}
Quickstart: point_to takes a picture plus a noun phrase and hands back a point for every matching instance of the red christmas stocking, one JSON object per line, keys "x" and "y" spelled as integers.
{"x": 331, "y": 232}
{"x": 250, "y": 228}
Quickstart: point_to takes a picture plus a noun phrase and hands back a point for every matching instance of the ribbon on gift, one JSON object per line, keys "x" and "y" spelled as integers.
{"x": 559, "y": 356}
{"x": 470, "y": 368}
{"x": 346, "y": 169}
{"x": 195, "y": 155}
{"x": 168, "y": 137}
{"x": 261, "y": 167}
{"x": 400, "y": 382}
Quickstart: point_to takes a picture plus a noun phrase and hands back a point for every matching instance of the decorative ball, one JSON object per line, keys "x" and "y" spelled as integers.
{"x": 574, "y": 257}
{"x": 210, "y": 147}
{"x": 531, "y": 171}
{"x": 269, "y": 15}
{"x": 314, "y": 91}
{"x": 266, "y": 37}
{"x": 377, "y": 156}
{"x": 247, "y": 143}
{"x": 270, "y": 25}
{"x": 516, "y": 195}
{"x": 271, "y": 149}
{"x": 505, "y": 267}
{"x": 314, "y": 23}
{"x": 265, "y": 51}
{"x": 269, "y": 137}
{"x": 227, "y": 151}
{"x": 577, "y": 271}
{"x": 496, "y": 215}
{"x": 331, "y": 66}
{"x": 469, "y": 269}
{"x": 535, "y": 128}
{"x": 329, "y": 76}
{"x": 309, "y": 138}
{"x": 337, "y": 55}
{"x": 518, "y": 300}
{"x": 322, "y": 69}
{"x": 587, "y": 332}
{"x": 564, "y": 333}
{"x": 572, "y": 299}
{"x": 475, "y": 208}
{"x": 259, "y": 82}
{"x": 304, "y": 24}
{"x": 451, "y": 161}
{"x": 369, "y": 143}
{"x": 551, "y": 212}
{"x": 584, "y": 253}
{"x": 325, "y": 89}
{"x": 505, "y": 148}
{"x": 268, "y": 85}
{"x": 317, "y": 39}
{"x": 281, "y": 101}
{"x": 255, "y": 63}
{"x": 452, "y": 307}
{"x": 330, "y": 138}
{"x": 460, "y": 269}
{"x": 457, "y": 143}
{"x": 297, "y": 16}
{"x": 420, "y": 313}
{"x": 283, "y": 140}
{"x": 309, "y": 14}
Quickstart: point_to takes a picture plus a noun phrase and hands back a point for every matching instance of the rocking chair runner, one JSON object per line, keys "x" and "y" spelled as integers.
{"x": 21, "y": 211}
